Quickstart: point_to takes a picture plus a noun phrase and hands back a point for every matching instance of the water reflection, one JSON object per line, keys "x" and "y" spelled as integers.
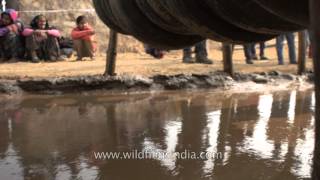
{"x": 213, "y": 132}
{"x": 268, "y": 136}
{"x": 258, "y": 142}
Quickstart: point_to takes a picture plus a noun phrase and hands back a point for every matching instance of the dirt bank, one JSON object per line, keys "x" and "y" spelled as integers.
{"x": 158, "y": 82}
{"x": 141, "y": 72}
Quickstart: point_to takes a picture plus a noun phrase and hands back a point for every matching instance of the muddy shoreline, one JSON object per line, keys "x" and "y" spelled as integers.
{"x": 78, "y": 84}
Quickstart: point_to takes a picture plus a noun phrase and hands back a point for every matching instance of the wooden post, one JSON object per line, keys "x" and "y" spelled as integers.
{"x": 111, "y": 54}
{"x": 227, "y": 58}
{"x": 302, "y": 53}
{"x": 315, "y": 26}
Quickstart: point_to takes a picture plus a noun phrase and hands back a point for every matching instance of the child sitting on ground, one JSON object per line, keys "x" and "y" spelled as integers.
{"x": 42, "y": 40}
{"x": 10, "y": 29}
{"x": 83, "y": 39}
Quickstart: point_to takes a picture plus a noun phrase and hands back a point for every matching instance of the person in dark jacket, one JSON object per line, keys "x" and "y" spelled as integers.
{"x": 42, "y": 40}
{"x": 11, "y": 46}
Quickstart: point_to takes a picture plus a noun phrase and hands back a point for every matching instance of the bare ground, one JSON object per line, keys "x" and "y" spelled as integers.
{"x": 142, "y": 64}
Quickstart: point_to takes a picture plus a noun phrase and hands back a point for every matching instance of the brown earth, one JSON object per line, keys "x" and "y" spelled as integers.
{"x": 144, "y": 65}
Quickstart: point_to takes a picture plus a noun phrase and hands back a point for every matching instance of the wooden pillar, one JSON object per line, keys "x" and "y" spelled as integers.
{"x": 111, "y": 54}
{"x": 227, "y": 58}
{"x": 315, "y": 26}
{"x": 302, "y": 53}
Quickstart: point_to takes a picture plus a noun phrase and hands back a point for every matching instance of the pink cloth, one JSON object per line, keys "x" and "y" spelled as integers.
{"x": 51, "y": 32}
{"x": 13, "y": 14}
{"x": 54, "y": 32}
{"x": 85, "y": 34}
{"x": 27, "y": 32}
{"x": 14, "y": 27}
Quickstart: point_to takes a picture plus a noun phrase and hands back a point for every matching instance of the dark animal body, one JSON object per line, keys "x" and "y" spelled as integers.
{"x": 173, "y": 24}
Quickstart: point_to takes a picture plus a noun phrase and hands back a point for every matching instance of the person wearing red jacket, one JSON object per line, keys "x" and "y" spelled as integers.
{"x": 83, "y": 39}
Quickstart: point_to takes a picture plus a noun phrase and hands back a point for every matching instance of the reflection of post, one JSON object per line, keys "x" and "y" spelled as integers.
{"x": 315, "y": 24}
{"x": 194, "y": 122}
{"x": 227, "y": 58}
{"x": 4, "y": 133}
{"x": 225, "y": 118}
{"x": 112, "y": 129}
{"x": 302, "y": 53}
{"x": 277, "y": 130}
{"x": 111, "y": 54}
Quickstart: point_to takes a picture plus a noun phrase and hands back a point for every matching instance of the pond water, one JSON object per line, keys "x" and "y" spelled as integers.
{"x": 162, "y": 136}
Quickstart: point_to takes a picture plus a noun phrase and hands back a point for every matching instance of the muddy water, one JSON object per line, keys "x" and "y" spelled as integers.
{"x": 252, "y": 136}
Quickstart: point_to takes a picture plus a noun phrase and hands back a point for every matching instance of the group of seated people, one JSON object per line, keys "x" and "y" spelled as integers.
{"x": 40, "y": 41}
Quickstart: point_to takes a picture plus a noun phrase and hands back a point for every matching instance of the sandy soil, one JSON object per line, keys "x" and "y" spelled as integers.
{"x": 143, "y": 64}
